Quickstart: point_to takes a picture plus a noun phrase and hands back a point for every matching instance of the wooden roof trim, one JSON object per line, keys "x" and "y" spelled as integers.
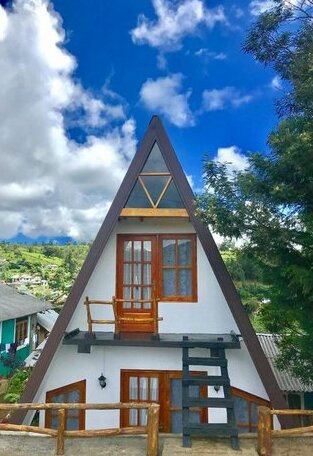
{"x": 155, "y": 132}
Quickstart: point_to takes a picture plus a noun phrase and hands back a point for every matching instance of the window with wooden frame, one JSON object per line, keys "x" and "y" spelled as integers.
{"x": 72, "y": 393}
{"x": 178, "y": 267}
{"x": 164, "y": 388}
{"x": 246, "y": 409}
{"x": 21, "y": 330}
{"x": 162, "y": 266}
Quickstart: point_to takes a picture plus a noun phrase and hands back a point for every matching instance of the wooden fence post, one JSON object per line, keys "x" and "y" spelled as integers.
{"x": 61, "y": 429}
{"x": 265, "y": 432}
{"x": 153, "y": 430}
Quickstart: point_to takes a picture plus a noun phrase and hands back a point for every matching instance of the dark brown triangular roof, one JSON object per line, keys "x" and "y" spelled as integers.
{"x": 155, "y": 132}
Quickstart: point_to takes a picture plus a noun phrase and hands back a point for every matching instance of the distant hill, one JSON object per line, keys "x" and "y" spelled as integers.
{"x": 20, "y": 238}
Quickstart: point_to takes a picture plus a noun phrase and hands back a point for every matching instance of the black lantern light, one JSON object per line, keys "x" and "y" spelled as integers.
{"x": 102, "y": 381}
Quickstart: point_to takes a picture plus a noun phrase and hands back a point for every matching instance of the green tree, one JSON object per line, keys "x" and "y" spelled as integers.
{"x": 271, "y": 203}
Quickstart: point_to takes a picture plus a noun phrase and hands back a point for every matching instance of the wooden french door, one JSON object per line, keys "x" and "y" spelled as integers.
{"x": 135, "y": 288}
{"x": 74, "y": 392}
{"x": 164, "y": 388}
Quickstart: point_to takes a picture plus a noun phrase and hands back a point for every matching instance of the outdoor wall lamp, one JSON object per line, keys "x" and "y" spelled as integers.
{"x": 102, "y": 381}
{"x": 217, "y": 388}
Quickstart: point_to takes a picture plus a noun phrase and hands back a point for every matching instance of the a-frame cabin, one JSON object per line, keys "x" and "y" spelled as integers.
{"x": 172, "y": 330}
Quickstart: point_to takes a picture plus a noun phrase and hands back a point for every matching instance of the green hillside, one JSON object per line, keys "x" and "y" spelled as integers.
{"x": 46, "y": 271}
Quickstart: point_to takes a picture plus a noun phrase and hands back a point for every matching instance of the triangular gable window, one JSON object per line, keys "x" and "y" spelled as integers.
{"x": 155, "y": 192}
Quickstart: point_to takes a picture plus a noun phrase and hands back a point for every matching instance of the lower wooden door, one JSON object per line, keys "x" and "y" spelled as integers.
{"x": 164, "y": 388}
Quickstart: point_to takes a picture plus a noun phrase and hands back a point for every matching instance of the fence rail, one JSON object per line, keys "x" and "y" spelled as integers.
{"x": 266, "y": 433}
{"x": 152, "y": 428}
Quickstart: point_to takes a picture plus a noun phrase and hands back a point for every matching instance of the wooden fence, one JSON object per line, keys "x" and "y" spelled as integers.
{"x": 266, "y": 433}
{"x": 152, "y": 428}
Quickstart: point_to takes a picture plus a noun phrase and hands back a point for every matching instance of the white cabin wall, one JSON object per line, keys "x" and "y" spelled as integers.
{"x": 69, "y": 367}
{"x": 210, "y": 314}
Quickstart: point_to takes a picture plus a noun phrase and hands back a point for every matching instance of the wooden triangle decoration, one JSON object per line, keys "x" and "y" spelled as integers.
{"x": 155, "y": 134}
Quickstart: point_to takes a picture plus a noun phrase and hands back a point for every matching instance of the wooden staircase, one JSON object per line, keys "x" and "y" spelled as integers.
{"x": 216, "y": 358}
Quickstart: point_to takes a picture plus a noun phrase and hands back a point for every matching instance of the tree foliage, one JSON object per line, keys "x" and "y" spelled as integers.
{"x": 270, "y": 204}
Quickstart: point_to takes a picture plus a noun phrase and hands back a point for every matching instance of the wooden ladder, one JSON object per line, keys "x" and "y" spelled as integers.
{"x": 216, "y": 358}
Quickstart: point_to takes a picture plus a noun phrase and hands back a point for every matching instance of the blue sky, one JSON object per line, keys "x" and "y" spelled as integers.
{"x": 80, "y": 81}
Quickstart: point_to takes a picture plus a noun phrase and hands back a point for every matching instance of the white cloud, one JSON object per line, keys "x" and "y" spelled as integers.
{"x": 208, "y": 55}
{"x": 50, "y": 184}
{"x": 258, "y": 7}
{"x": 164, "y": 95}
{"x": 236, "y": 161}
{"x": 276, "y": 83}
{"x": 175, "y": 20}
{"x": 218, "y": 99}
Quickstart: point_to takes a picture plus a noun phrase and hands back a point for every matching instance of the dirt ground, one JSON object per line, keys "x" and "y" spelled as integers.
{"x": 22, "y": 444}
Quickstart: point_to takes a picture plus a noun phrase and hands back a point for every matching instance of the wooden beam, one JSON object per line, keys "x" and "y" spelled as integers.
{"x": 61, "y": 429}
{"x": 265, "y": 432}
{"x": 153, "y": 212}
{"x": 153, "y": 430}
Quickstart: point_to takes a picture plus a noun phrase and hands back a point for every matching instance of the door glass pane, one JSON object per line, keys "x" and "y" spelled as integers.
{"x": 137, "y": 295}
{"x": 194, "y": 391}
{"x": 143, "y": 384}
{"x": 169, "y": 252}
{"x": 176, "y": 422}
{"x": 137, "y": 274}
{"x": 155, "y": 162}
{"x": 137, "y": 251}
{"x": 147, "y": 250}
{"x": 254, "y": 413}
{"x": 133, "y": 388}
{"x": 127, "y": 250}
{"x": 147, "y": 305}
{"x": 143, "y": 415}
{"x": 241, "y": 410}
{"x": 147, "y": 274}
{"x": 176, "y": 392}
{"x": 127, "y": 274}
{"x": 146, "y": 292}
{"x": 154, "y": 389}
{"x": 126, "y": 295}
{"x": 184, "y": 282}
{"x": 133, "y": 417}
{"x": 184, "y": 252}
{"x": 169, "y": 282}
{"x": 171, "y": 198}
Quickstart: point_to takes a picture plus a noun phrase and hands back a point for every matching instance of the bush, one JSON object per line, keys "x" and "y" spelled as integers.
{"x": 17, "y": 385}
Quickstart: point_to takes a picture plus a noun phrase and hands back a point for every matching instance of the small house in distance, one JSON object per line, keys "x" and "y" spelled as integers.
{"x": 154, "y": 317}
{"x": 18, "y": 325}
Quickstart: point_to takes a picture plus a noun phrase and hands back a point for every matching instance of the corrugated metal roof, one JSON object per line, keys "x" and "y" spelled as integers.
{"x": 47, "y": 318}
{"x": 14, "y": 304}
{"x": 286, "y": 381}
